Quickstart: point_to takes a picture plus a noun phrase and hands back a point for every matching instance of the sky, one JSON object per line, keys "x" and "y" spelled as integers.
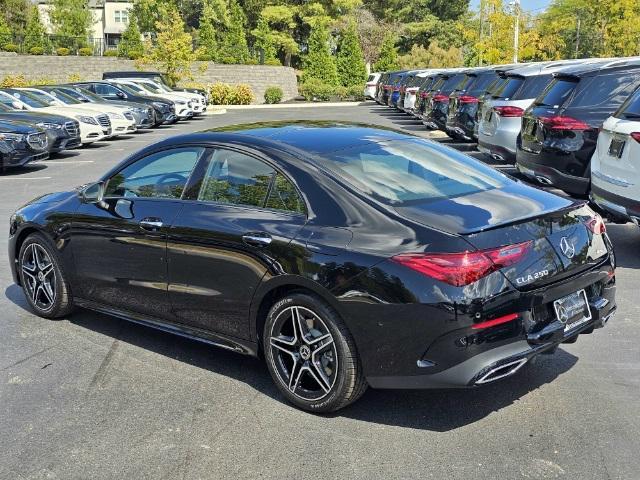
{"x": 528, "y": 5}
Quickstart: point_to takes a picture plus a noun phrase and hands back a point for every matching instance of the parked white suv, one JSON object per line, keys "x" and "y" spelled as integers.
{"x": 615, "y": 165}
{"x": 93, "y": 126}
{"x": 370, "y": 86}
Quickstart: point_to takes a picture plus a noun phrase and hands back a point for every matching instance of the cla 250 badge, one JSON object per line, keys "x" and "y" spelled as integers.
{"x": 531, "y": 277}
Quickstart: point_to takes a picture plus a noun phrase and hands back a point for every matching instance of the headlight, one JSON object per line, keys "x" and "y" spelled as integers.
{"x": 49, "y": 125}
{"x": 159, "y": 105}
{"x": 180, "y": 102}
{"x": 139, "y": 110}
{"x": 13, "y": 137}
{"x": 115, "y": 115}
{"x": 87, "y": 119}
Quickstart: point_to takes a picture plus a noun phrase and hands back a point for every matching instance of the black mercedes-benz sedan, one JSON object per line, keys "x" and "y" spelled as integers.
{"x": 345, "y": 255}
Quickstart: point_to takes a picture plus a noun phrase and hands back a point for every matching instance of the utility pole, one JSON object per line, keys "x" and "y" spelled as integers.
{"x": 516, "y": 31}
{"x": 577, "y": 38}
{"x": 481, "y": 32}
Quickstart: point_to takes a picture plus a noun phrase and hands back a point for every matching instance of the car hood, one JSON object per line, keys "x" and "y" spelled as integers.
{"x": 12, "y": 126}
{"x": 484, "y": 210}
{"x": 34, "y": 117}
{"x": 72, "y": 111}
{"x": 52, "y": 197}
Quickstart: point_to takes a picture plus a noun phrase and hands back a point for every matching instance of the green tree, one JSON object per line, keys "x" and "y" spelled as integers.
{"x": 35, "y": 34}
{"x": 207, "y": 37}
{"x": 131, "y": 45}
{"x": 6, "y": 35}
{"x": 71, "y": 21}
{"x": 433, "y": 56}
{"x": 16, "y": 15}
{"x": 148, "y": 13}
{"x": 388, "y": 58}
{"x": 350, "y": 61}
{"x": 172, "y": 51}
{"x": 282, "y": 23}
{"x": 264, "y": 42}
{"x": 318, "y": 62}
{"x": 234, "y": 44}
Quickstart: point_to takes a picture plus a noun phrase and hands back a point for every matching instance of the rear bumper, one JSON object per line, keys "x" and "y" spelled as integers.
{"x": 548, "y": 175}
{"x": 614, "y": 206}
{"x": 498, "y": 152}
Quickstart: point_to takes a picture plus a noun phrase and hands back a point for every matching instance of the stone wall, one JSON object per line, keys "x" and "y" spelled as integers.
{"x": 59, "y": 69}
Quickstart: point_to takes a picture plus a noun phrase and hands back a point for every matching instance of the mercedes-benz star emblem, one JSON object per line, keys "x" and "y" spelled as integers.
{"x": 567, "y": 247}
{"x": 563, "y": 315}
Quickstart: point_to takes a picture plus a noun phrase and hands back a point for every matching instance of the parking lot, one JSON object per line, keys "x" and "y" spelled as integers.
{"x": 95, "y": 397}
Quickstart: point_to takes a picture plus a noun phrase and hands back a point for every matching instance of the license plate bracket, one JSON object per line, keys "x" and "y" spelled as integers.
{"x": 616, "y": 147}
{"x": 572, "y": 310}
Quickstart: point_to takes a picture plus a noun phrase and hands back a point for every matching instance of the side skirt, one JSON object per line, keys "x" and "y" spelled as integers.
{"x": 237, "y": 345}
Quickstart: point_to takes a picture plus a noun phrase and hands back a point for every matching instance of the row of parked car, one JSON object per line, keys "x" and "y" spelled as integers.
{"x": 571, "y": 124}
{"x": 38, "y": 121}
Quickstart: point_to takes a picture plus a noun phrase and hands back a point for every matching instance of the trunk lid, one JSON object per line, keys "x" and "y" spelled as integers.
{"x": 560, "y": 244}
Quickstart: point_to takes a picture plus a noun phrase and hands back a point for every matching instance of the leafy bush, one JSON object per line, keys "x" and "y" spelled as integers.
{"x": 36, "y": 51}
{"x": 274, "y": 62}
{"x": 74, "y": 77}
{"x": 10, "y": 47}
{"x": 85, "y": 52}
{"x": 356, "y": 92}
{"x": 341, "y": 92}
{"x": 316, "y": 90}
{"x": 110, "y": 53}
{"x": 62, "y": 51}
{"x": 13, "y": 81}
{"x": 225, "y": 94}
{"x": 273, "y": 95}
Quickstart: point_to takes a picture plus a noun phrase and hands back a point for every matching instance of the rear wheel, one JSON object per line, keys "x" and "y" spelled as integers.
{"x": 311, "y": 354}
{"x": 43, "y": 279}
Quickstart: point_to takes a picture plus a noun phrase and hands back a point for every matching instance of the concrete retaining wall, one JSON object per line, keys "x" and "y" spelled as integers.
{"x": 59, "y": 69}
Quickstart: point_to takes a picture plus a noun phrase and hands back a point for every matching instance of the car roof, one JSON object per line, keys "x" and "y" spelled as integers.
{"x": 312, "y": 137}
{"x": 590, "y": 66}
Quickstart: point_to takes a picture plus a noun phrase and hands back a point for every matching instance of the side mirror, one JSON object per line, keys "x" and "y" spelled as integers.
{"x": 121, "y": 95}
{"x": 92, "y": 192}
{"x": 16, "y": 105}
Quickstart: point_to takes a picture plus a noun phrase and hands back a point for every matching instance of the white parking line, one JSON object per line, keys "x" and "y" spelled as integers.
{"x": 25, "y": 178}
{"x": 65, "y": 162}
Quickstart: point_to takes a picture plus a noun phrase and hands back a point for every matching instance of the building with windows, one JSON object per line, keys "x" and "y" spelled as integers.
{"x": 110, "y": 19}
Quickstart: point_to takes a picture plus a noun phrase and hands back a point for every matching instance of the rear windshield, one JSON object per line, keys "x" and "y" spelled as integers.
{"x": 371, "y": 77}
{"x": 481, "y": 84}
{"x": 437, "y": 84}
{"x": 507, "y": 88}
{"x": 605, "y": 90}
{"x": 631, "y": 108}
{"x": 454, "y": 82}
{"x": 406, "y": 171}
{"x": 557, "y": 92}
{"x": 532, "y": 87}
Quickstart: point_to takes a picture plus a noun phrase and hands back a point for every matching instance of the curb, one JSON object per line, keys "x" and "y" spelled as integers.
{"x": 288, "y": 105}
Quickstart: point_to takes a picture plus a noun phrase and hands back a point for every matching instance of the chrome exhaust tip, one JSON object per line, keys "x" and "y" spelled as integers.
{"x": 501, "y": 371}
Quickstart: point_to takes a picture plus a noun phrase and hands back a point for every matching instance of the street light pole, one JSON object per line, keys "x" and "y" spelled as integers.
{"x": 516, "y": 31}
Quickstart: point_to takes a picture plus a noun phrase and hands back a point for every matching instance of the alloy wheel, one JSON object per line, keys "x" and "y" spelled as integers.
{"x": 304, "y": 353}
{"x": 39, "y": 277}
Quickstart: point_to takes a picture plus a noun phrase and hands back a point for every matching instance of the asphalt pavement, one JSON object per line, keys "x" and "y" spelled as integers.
{"x": 94, "y": 397}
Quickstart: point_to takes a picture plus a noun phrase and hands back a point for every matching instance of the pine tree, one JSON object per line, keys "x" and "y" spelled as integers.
{"x": 234, "y": 44}
{"x": 207, "y": 37}
{"x": 35, "y": 34}
{"x": 388, "y": 59}
{"x": 131, "y": 45}
{"x": 350, "y": 61}
{"x": 264, "y": 42}
{"x": 319, "y": 63}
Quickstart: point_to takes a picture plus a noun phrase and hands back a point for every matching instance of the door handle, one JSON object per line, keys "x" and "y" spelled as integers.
{"x": 257, "y": 239}
{"x": 151, "y": 223}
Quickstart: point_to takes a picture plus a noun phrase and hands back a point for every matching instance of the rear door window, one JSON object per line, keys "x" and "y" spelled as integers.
{"x": 557, "y": 92}
{"x": 604, "y": 90}
{"x": 531, "y": 87}
{"x": 630, "y": 108}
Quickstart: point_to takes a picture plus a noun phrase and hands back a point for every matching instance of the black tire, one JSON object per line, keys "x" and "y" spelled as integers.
{"x": 336, "y": 370}
{"x": 53, "y": 302}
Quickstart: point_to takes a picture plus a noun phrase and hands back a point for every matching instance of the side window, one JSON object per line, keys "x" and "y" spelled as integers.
{"x": 605, "y": 90}
{"x": 284, "y": 196}
{"x": 236, "y": 178}
{"x": 104, "y": 89}
{"x": 159, "y": 175}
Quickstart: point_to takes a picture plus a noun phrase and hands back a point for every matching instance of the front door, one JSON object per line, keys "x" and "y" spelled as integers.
{"x": 236, "y": 229}
{"x": 119, "y": 244}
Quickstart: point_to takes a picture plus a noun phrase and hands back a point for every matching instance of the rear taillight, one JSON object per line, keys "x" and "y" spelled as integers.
{"x": 636, "y": 136}
{"x": 371, "y": 84}
{"x": 424, "y": 94}
{"x": 468, "y": 99}
{"x": 440, "y": 98}
{"x": 463, "y": 268}
{"x": 563, "y": 123}
{"x": 596, "y": 224}
{"x": 508, "y": 111}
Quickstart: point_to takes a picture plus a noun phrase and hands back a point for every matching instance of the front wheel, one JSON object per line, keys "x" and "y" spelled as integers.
{"x": 43, "y": 279}
{"x": 311, "y": 354}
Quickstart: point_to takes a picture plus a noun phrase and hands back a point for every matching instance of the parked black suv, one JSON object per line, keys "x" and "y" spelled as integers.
{"x": 436, "y": 107}
{"x": 463, "y": 104}
{"x": 560, "y": 129}
{"x": 21, "y": 143}
{"x": 156, "y": 77}
{"x": 164, "y": 110}
{"x": 63, "y": 133}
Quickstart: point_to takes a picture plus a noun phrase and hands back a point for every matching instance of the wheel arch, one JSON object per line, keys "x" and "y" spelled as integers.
{"x": 276, "y": 288}
{"x": 21, "y": 236}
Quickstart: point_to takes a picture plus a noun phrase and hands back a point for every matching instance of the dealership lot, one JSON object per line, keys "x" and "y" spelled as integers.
{"x": 95, "y": 397}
